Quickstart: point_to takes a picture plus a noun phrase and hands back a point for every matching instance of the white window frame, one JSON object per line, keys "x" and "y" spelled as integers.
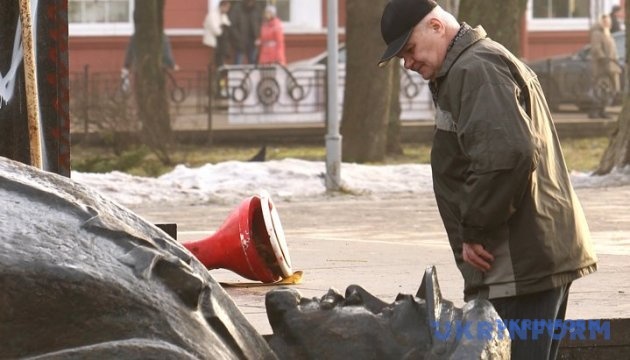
{"x": 103, "y": 29}
{"x": 306, "y": 17}
{"x": 568, "y": 24}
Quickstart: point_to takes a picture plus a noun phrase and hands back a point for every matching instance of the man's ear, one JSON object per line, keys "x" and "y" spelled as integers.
{"x": 436, "y": 25}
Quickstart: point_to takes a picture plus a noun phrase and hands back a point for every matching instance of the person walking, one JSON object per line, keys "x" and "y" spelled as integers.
{"x": 515, "y": 225}
{"x": 605, "y": 68}
{"x": 271, "y": 41}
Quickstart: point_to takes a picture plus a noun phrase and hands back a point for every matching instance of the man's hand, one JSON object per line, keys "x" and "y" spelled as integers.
{"x": 477, "y": 256}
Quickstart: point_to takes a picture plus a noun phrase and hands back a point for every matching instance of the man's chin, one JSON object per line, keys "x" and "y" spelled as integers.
{"x": 426, "y": 75}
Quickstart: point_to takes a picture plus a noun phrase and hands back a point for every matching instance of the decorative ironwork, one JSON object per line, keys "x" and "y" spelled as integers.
{"x": 243, "y": 94}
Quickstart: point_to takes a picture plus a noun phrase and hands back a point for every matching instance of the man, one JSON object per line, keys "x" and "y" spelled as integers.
{"x": 605, "y": 69}
{"x": 514, "y": 223}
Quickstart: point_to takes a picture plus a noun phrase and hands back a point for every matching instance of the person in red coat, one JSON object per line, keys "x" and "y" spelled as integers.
{"x": 271, "y": 40}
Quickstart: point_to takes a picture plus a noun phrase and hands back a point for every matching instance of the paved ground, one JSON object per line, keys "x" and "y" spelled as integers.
{"x": 384, "y": 245}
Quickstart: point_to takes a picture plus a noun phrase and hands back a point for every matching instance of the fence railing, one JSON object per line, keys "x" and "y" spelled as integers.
{"x": 241, "y": 95}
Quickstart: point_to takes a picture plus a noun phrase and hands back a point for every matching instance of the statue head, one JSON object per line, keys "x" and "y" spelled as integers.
{"x": 359, "y": 325}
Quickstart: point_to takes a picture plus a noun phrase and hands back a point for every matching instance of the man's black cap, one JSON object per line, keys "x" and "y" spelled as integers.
{"x": 398, "y": 20}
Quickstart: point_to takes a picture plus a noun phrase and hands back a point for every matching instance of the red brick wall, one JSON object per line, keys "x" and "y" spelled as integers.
{"x": 106, "y": 53}
{"x": 542, "y": 44}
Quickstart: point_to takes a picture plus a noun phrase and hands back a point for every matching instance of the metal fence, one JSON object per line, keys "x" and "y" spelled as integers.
{"x": 241, "y": 95}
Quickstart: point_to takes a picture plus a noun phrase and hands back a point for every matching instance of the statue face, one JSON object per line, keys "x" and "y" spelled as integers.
{"x": 361, "y": 326}
{"x": 355, "y": 326}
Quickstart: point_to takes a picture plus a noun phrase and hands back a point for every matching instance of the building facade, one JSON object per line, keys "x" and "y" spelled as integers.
{"x": 99, "y": 30}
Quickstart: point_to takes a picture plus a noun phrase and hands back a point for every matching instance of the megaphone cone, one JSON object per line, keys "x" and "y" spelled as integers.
{"x": 250, "y": 242}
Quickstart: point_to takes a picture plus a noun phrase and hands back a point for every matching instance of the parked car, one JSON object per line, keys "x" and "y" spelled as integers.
{"x": 567, "y": 79}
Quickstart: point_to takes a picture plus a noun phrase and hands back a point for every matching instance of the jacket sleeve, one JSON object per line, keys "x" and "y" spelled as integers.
{"x": 212, "y": 23}
{"x": 494, "y": 135}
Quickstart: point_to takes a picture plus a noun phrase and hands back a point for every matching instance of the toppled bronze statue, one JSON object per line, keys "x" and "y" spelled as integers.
{"x": 361, "y": 326}
{"x": 82, "y": 277}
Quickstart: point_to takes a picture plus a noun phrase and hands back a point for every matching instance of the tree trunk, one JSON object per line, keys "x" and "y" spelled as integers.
{"x": 501, "y": 19}
{"x": 368, "y": 89}
{"x": 150, "y": 85}
{"x": 617, "y": 154}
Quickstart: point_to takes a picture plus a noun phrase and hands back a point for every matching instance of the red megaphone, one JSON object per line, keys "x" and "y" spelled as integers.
{"x": 250, "y": 243}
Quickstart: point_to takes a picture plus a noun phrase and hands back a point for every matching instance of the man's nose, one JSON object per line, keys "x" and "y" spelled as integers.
{"x": 408, "y": 62}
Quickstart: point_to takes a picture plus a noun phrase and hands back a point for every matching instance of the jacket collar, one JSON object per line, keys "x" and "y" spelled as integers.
{"x": 469, "y": 37}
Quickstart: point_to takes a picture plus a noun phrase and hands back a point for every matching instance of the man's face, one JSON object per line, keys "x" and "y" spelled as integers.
{"x": 425, "y": 50}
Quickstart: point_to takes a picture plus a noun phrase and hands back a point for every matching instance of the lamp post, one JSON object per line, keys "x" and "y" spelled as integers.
{"x": 333, "y": 137}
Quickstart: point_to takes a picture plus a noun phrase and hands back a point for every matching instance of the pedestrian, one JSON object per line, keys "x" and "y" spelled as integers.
{"x": 615, "y": 24}
{"x": 605, "y": 68}
{"x": 246, "y": 18}
{"x": 168, "y": 61}
{"x": 514, "y": 223}
{"x": 218, "y": 34}
{"x": 271, "y": 41}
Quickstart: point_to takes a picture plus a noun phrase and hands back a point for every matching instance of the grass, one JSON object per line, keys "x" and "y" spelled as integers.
{"x": 584, "y": 154}
{"x": 580, "y": 154}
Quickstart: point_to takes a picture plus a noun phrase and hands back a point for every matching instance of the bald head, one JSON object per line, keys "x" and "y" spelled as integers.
{"x": 425, "y": 50}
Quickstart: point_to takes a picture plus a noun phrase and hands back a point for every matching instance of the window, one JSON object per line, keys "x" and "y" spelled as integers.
{"x": 284, "y": 9}
{"x": 99, "y": 11}
{"x": 561, "y": 9}
{"x": 299, "y": 15}
{"x": 565, "y": 15}
{"x": 100, "y": 17}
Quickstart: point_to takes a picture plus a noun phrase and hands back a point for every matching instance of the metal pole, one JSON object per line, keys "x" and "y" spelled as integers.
{"x": 30, "y": 77}
{"x": 333, "y": 137}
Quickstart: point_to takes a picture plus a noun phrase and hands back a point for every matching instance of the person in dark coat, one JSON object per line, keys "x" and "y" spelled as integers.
{"x": 515, "y": 225}
{"x": 246, "y": 18}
